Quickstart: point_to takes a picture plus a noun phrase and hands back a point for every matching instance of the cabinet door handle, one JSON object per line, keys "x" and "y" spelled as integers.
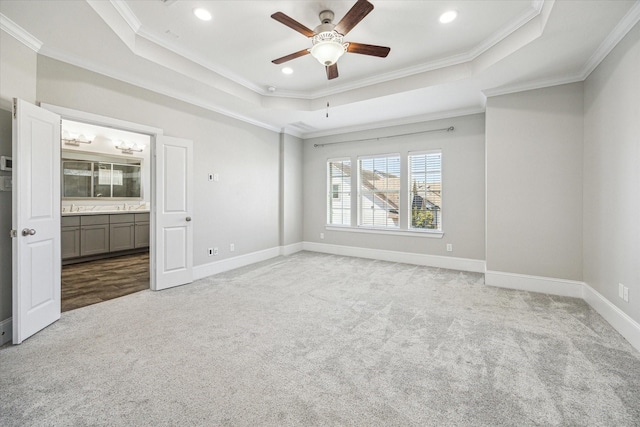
{"x": 188, "y": 218}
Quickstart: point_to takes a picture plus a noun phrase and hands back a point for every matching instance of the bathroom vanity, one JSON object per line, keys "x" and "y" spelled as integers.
{"x": 94, "y": 235}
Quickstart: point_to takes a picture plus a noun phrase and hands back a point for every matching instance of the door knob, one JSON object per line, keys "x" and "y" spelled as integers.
{"x": 188, "y": 218}
{"x": 28, "y": 232}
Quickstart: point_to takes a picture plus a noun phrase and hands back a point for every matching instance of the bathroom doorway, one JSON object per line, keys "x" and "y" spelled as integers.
{"x": 105, "y": 203}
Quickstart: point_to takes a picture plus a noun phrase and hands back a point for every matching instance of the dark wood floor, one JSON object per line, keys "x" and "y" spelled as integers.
{"x": 97, "y": 281}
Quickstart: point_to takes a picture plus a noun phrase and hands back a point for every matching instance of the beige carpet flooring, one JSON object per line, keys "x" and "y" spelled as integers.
{"x": 322, "y": 340}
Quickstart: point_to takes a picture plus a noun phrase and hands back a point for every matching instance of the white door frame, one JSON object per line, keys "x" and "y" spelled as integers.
{"x": 153, "y": 132}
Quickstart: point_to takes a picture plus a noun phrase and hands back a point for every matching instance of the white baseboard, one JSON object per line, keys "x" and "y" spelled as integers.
{"x": 621, "y": 322}
{"x": 464, "y": 264}
{"x": 291, "y": 249}
{"x": 221, "y": 266}
{"x": 6, "y": 331}
{"x": 545, "y": 285}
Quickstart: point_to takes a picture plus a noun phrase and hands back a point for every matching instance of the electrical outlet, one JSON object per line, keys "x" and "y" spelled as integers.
{"x": 626, "y": 294}
{"x": 449, "y": 247}
{"x": 321, "y": 235}
{"x": 620, "y": 290}
{"x": 215, "y": 251}
{"x": 232, "y": 247}
{"x": 210, "y": 251}
{"x": 210, "y": 177}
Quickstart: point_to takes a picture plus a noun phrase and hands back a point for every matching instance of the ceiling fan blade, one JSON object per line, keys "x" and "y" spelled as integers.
{"x": 293, "y": 24}
{"x": 332, "y": 71}
{"x": 355, "y": 15}
{"x": 291, "y": 56}
{"x": 368, "y": 49}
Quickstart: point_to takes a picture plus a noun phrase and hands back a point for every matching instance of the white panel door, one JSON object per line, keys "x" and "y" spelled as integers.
{"x": 36, "y": 219}
{"x": 173, "y": 254}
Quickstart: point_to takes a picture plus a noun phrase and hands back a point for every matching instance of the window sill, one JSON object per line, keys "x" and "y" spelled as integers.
{"x": 391, "y": 232}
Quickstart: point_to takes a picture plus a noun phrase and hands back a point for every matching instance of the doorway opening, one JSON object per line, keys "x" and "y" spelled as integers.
{"x": 105, "y": 213}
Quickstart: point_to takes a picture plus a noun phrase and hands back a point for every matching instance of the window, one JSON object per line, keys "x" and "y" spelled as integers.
{"x": 339, "y": 194}
{"x": 379, "y": 191}
{"x": 425, "y": 197}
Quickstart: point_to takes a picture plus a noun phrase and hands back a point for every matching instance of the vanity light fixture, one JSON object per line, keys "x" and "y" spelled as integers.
{"x": 75, "y": 140}
{"x": 128, "y": 147}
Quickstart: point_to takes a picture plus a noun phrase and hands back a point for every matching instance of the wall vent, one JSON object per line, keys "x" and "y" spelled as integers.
{"x": 302, "y": 126}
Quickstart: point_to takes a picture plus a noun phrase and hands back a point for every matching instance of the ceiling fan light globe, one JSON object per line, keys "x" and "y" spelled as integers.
{"x": 327, "y": 52}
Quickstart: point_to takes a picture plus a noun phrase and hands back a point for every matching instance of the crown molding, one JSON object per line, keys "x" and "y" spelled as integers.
{"x": 609, "y": 43}
{"x": 538, "y": 84}
{"x": 161, "y": 89}
{"x": 617, "y": 34}
{"x": 135, "y": 25}
{"x": 536, "y": 7}
{"x": 127, "y": 14}
{"x": 19, "y": 33}
{"x": 461, "y": 58}
{"x": 397, "y": 122}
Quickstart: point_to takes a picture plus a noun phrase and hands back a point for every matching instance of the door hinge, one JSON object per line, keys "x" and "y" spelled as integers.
{"x": 15, "y": 108}
{"x": 13, "y": 233}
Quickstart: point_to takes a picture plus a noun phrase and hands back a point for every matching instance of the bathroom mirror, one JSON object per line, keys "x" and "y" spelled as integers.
{"x": 101, "y": 177}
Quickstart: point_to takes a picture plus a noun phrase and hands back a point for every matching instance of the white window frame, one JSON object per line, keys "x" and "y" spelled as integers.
{"x": 330, "y": 192}
{"x": 409, "y": 190}
{"x": 360, "y": 195}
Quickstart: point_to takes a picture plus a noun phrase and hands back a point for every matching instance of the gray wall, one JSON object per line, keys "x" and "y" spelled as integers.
{"x": 612, "y": 175}
{"x": 463, "y": 185}
{"x": 18, "y": 70}
{"x": 291, "y": 190}
{"x": 243, "y": 207}
{"x": 534, "y": 182}
{"x": 5, "y": 222}
{"x": 17, "y": 79}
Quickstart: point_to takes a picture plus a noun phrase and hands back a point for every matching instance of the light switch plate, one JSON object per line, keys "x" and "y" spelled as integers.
{"x": 5, "y": 183}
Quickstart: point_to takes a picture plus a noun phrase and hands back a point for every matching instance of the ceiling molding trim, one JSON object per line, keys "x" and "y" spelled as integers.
{"x": 462, "y": 58}
{"x": 132, "y": 30}
{"x": 511, "y": 27}
{"x": 127, "y": 14}
{"x": 19, "y": 33}
{"x": 136, "y": 26}
{"x": 146, "y": 84}
{"x": 506, "y": 31}
{"x": 617, "y": 34}
{"x": 538, "y": 84}
{"x": 200, "y": 61}
{"x": 397, "y": 122}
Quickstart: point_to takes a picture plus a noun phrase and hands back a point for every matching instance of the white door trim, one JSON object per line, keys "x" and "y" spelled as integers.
{"x": 98, "y": 120}
{"x": 95, "y": 119}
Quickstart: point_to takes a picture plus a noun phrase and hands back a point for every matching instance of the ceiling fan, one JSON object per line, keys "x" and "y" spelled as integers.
{"x": 327, "y": 38}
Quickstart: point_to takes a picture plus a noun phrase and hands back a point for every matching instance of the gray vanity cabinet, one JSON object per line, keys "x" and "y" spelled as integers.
{"x": 100, "y": 235}
{"x": 122, "y": 232}
{"x": 94, "y": 234}
{"x": 70, "y": 237}
{"x": 142, "y": 230}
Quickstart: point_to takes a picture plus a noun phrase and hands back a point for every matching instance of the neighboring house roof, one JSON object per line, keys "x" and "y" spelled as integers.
{"x": 377, "y": 180}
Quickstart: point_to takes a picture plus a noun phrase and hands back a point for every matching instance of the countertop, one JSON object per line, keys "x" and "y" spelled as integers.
{"x": 104, "y": 212}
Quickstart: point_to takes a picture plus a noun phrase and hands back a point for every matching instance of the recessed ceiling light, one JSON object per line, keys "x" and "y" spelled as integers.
{"x": 287, "y": 70}
{"x": 203, "y": 14}
{"x": 449, "y": 16}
